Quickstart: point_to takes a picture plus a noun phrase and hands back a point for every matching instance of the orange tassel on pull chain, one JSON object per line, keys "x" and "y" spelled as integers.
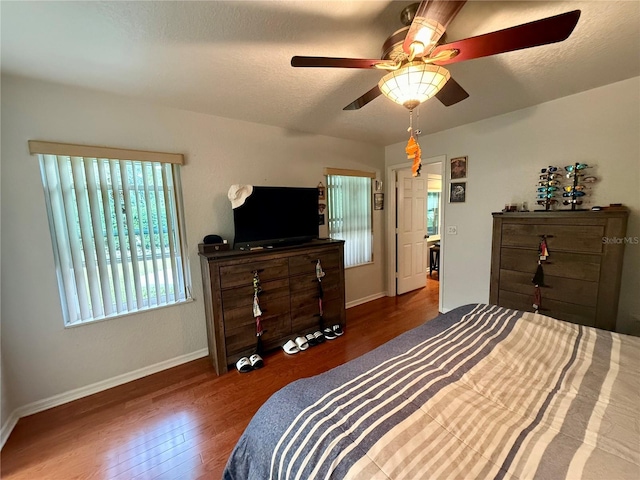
{"x": 413, "y": 153}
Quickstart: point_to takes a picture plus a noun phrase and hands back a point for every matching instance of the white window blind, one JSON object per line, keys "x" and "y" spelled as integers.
{"x": 117, "y": 231}
{"x": 349, "y": 215}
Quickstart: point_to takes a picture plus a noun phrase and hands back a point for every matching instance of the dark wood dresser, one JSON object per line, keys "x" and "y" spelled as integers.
{"x": 289, "y": 298}
{"x": 582, "y": 273}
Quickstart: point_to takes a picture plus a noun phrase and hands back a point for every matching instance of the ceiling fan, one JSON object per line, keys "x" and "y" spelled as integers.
{"x": 414, "y": 58}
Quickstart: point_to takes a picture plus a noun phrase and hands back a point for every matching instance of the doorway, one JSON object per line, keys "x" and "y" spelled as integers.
{"x": 410, "y": 250}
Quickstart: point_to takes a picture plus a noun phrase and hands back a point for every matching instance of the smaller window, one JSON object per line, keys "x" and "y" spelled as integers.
{"x": 117, "y": 229}
{"x": 349, "y": 213}
{"x": 433, "y": 213}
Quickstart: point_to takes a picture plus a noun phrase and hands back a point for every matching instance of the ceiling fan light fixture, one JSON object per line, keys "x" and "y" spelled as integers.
{"x": 414, "y": 83}
{"x": 428, "y": 32}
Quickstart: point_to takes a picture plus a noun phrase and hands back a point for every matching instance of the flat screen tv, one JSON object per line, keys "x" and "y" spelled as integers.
{"x": 276, "y": 216}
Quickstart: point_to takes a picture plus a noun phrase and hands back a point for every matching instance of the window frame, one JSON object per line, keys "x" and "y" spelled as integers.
{"x": 352, "y": 173}
{"x": 165, "y": 170}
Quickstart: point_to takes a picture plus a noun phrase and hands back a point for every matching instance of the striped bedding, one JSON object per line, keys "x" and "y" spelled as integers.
{"x": 480, "y": 392}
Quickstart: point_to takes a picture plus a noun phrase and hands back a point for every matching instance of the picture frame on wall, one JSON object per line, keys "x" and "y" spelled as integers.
{"x": 378, "y": 201}
{"x": 458, "y": 192}
{"x": 459, "y": 167}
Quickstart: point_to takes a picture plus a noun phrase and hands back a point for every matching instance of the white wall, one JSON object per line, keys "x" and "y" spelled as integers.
{"x": 600, "y": 127}
{"x": 43, "y": 359}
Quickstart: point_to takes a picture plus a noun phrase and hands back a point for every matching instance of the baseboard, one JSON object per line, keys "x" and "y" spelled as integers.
{"x": 81, "y": 392}
{"x": 360, "y": 301}
{"x": 8, "y": 427}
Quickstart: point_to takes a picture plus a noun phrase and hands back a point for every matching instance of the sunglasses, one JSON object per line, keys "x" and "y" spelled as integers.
{"x": 545, "y": 195}
{"x": 571, "y": 202}
{"x": 574, "y": 194}
{"x": 547, "y": 189}
{"x": 545, "y": 202}
{"x": 589, "y": 179}
{"x": 550, "y": 176}
{"x": 577, "y": 166}
{"x": 549, "y": 170}
{"x": 552, "y": 183}
{"x": 571, "y": 188}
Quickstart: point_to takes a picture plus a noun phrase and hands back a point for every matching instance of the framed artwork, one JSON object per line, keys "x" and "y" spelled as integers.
{"x": 321, "y": 191}
{"x": 321, "y": 219}
{"x": 459, "y": 167}
{"x": 378, "y": 201}
{"x": 458, "y": 192}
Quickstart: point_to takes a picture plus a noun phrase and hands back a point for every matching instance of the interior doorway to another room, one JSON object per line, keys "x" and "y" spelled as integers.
{"x": 415, "y": 216}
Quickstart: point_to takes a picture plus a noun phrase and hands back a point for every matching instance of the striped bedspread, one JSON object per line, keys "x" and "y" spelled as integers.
{"x": 480, "y": 392}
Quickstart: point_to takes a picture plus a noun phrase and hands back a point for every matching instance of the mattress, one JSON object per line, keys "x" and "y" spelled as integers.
{"x": 480, "y": 392}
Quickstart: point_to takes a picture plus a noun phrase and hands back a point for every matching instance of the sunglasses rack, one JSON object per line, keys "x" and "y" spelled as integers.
{"x": 551, "y": 183}
{"x": 573, "y": 193}
{"x": 548, "y": 185}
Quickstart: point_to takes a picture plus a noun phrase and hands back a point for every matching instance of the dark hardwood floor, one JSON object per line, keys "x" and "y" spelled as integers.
{"x": 183, "y": 422}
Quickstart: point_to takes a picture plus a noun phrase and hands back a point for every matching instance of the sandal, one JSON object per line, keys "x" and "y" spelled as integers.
{"x": 337, "y": 329}
{"x": 311, "y": 339}
{"x": 243, "y": 365}
{"x": 302, "y": 343}
{"x": 290, "y": 348}
{"x": 256, "y": 361}
{"x": 329, "y": 334}
{"x": 319, "y": 337}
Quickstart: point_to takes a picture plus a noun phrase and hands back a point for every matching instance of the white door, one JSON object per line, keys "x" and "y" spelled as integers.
{"x": 412, "y": 231}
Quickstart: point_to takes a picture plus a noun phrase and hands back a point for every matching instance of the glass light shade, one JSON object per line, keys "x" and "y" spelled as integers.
{"x": 428, "y": 32}
{"x": 414, "y": 83}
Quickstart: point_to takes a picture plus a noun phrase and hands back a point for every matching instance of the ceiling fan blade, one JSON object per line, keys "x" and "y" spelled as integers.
{"x": 364, "y": 99}
{"x": 442, "y": 11}
{"x": 451, "y": 93}
{"x": 541, "y": 32}
{"x": 333, "y": 62}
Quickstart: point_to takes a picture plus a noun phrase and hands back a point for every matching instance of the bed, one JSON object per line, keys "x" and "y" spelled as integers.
{"x": 480, "y": 392}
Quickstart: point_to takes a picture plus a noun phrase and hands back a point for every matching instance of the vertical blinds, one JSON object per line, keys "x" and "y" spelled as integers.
{"x": 349, "y": 214}
{"x": 116, "y": 234}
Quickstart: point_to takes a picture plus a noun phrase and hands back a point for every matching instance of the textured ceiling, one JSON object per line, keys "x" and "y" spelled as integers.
{"x": 232, "y": 58}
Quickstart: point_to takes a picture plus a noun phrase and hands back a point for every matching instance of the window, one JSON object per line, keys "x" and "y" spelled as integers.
{"x": 433, "y": 213}
{"x": 117, "y": 229}
{"x": 349, "y": 213}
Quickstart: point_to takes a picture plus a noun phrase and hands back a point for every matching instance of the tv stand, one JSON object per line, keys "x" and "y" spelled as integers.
{"x": 289, "y": 298}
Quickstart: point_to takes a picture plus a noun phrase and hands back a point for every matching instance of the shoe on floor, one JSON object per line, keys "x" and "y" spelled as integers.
{"x": 302, "y": 343}
{"x": 244, "y": 365}
{"x": 319, "y": 336}
{"x": 337, "y": 329}
{"x": 256, "y": 361}
{"x": 311, "y": 339}
{"x": 290, "y": 347}
{"x": 329, "y": 334}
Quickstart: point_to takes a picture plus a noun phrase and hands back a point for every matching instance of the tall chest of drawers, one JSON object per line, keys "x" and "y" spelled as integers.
{"x": 582, "y": 273}
{"x": 288, "y": 301}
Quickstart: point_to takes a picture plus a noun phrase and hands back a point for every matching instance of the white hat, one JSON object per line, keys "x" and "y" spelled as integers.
{"x": 238, "y": 194}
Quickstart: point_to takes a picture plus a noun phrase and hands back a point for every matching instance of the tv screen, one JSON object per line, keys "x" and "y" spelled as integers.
{"x": 273, "y": 216}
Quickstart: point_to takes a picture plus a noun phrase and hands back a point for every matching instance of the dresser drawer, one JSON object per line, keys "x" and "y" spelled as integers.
{"x": 306, "y": 263}
{"x": 234, "y": 275}
{"x": 560, "y": 238}
{"x": 555, "y": 288}
{"x": 243, "y": 296}
{"x": 569, "y": 312}
{"x": 567, "y": 265}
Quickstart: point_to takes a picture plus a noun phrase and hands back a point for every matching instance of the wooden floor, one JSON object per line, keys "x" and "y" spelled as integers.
{"x": 183, "y": 422}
